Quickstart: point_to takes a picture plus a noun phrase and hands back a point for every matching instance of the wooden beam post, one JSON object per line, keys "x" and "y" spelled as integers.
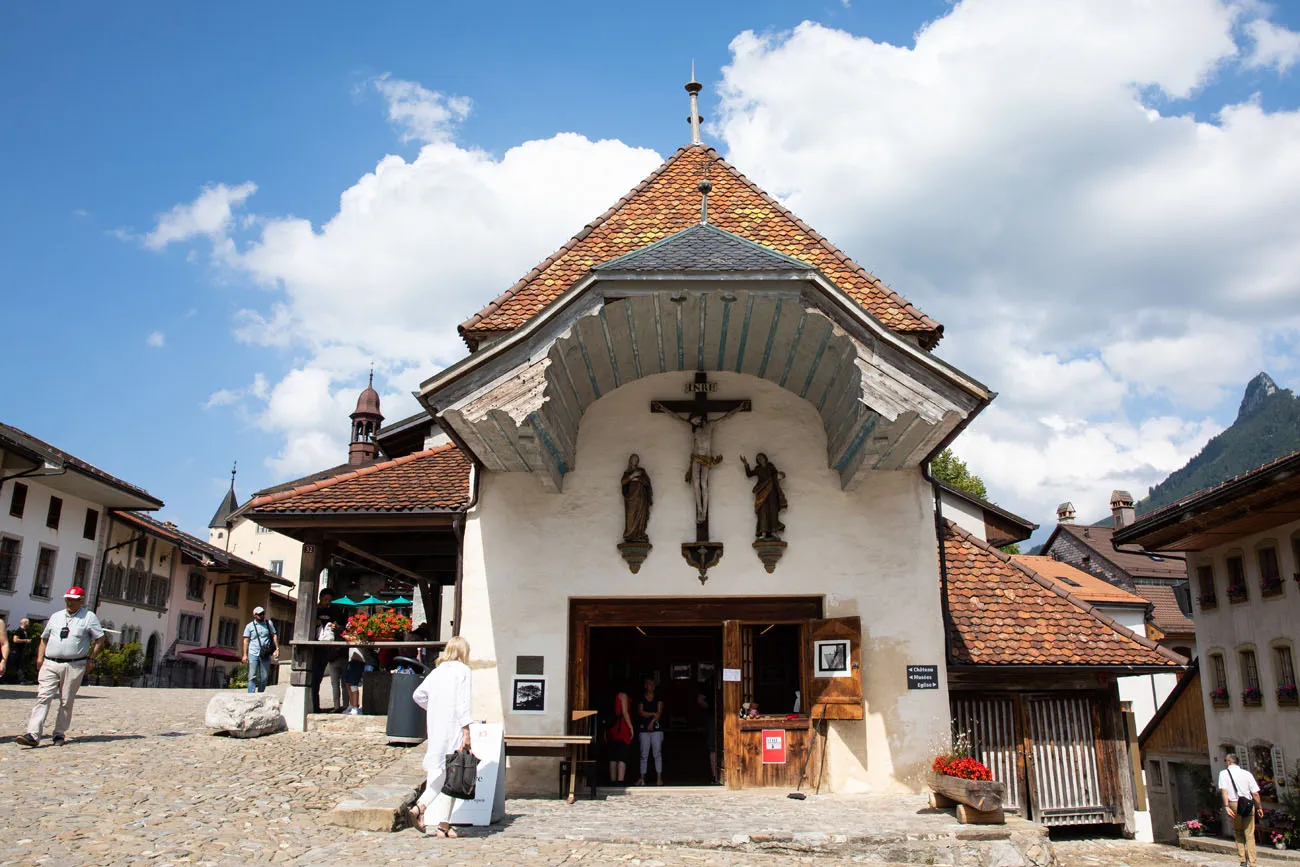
{"x": 297, "y": 699}
{"x": 731, "y": 699}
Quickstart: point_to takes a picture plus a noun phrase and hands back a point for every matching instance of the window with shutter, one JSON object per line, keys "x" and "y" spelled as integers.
{"x": 1270, "y": 576}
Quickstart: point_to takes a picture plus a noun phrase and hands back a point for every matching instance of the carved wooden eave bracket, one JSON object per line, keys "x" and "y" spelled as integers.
{"x": 885, "y": 404}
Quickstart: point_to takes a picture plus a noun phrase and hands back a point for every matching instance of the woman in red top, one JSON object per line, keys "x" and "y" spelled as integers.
{"x": 620, "y": 737}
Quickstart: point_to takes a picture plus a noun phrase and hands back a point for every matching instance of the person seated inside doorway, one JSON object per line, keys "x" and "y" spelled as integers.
{"x": 650, "y": 712}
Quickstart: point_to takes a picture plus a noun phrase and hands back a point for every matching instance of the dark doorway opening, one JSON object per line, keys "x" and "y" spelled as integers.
{"x": 686, "y": 664}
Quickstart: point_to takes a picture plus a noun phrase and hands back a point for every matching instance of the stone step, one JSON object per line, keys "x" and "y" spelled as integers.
{"x": 337, "y": 723}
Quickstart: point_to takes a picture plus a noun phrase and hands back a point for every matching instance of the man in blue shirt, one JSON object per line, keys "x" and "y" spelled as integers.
{"x": 71, "y": 639}
{"x": 259, "y": 649}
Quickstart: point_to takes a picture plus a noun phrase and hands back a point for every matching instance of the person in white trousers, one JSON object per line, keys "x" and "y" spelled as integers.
{"x": 445, "y": 696}
{"x": 650, "y": 713}
{"x": 70, "y": 641}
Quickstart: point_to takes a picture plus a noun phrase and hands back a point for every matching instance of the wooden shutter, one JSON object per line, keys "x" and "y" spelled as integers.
{"x": 836, "y": 697}
{"x": 1281, "y": 773}
{"x": 1243, "y": 757}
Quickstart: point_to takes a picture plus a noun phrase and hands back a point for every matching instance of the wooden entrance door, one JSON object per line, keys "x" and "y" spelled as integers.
{"x": 1066, "y": 776}
{"x": 995, "y": 741}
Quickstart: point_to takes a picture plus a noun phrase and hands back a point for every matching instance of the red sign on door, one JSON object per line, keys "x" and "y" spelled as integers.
{"x": 774, "y": 746}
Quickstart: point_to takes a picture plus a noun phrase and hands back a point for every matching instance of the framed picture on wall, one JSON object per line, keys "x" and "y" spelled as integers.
{"x": 681, "y": 671}
{"x": 528, "y": 694}
{"x": 705, "y": 672}
{"x": 831, "y": 658}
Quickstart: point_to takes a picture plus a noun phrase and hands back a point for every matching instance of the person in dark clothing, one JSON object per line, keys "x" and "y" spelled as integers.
{"x": 705, "y": 701}
{"x": 19, "y": 640}
{"x": 328, "y": 624}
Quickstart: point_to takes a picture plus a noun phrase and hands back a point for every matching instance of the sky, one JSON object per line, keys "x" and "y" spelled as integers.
{"x": 215, "y": 218}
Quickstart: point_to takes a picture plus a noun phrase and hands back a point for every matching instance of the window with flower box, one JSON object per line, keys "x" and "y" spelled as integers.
{"x": 1237, "y": 580}
{"x": 1284, "y": 668}
{"x": 1205, "y": 586}
{"x": 1270, "y": 576}
{"x": 1219, "y": 692}
{"x": 1251, "y": 696}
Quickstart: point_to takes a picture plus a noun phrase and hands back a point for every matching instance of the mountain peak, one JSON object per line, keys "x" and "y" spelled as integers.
{"x": 1257, "y": 391}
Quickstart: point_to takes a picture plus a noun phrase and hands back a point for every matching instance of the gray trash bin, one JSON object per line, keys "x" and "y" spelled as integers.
{"x": 406, "y": 719}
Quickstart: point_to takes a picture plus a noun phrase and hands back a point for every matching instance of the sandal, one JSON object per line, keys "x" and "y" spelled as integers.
{"x": 447, "y": 832}
{"x": 417, "y": 819}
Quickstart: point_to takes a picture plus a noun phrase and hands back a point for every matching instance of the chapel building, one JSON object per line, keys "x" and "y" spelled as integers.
{"x": 688, "y": 447}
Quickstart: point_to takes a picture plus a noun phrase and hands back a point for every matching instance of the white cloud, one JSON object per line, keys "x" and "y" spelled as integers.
{"x": 1025, "y": 174}
{"x": 156, "y": 340}
{"x": 223, "y": 397}
{"x": 1275, "y": 46}
{"x": 422, "y": 115}
{"x": 209, "y": 215}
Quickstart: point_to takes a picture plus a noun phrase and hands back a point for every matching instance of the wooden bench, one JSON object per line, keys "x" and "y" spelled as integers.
{"x": 571, "y": 748}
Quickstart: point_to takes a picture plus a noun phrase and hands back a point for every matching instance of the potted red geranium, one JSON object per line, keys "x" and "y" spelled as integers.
{"x": 962, "y": 781}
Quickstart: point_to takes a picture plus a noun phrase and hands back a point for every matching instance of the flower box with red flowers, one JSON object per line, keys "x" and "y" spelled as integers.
{"x": 1219, "y": 696}
{"x": 1271, "y": 586}
{"x": 1238, "y": 593}
{"x": 1288, "y": 695}
{"x": 969, "y": 782}
{"x": 1252, "y": 697}
{"x": 380, "y": 626}
{"x": 1208, "y": 600}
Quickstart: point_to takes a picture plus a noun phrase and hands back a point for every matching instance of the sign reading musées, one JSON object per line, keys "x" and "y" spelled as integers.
{"x": 923, "y": 677}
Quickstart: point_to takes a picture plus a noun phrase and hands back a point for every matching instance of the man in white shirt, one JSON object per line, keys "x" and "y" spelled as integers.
{"x": 259, "y": 649}
{"x": 1236, "y": 783}
{"x": 71, "y": 639}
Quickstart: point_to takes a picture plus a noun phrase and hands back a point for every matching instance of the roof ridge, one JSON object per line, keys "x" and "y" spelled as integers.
{"x": 331, "y": 481}
{"x": 1048, "y": 584}
{"x": 495, "y": 304}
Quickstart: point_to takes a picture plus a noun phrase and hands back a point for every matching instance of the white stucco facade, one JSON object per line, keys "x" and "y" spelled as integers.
{"x": 1260, "y": 624}
{"x": 870, "y": 551}
{"x": 68, "y": 542}
{"x": 266, "y": 548}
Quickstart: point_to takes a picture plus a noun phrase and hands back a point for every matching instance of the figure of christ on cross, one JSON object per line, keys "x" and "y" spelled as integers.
{"x": 696, "y": 413}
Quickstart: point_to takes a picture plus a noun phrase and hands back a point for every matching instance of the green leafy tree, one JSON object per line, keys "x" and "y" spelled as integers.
{"x": 952, "y": 470}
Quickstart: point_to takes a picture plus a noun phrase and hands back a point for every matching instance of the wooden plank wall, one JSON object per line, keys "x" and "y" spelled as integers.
{"x": 1182, "y": 729}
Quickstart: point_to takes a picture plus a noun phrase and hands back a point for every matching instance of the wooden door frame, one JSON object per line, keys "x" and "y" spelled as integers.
{"x": 713, "y": 611}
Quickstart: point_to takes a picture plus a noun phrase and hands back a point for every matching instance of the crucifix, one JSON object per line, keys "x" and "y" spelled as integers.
{"x": 696, "y": 412}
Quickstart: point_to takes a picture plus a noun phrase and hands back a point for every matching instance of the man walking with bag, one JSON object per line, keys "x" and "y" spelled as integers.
{"x": 1241, "y": 798}
{"x": 259, "y": 649}
{"x": 68, "y": 645}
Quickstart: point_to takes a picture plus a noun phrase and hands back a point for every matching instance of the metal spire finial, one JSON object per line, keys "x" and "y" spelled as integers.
{"x": 372, "y": 374}
{"x": 234, "y": 468}
{"x": 693, "y": 87}
{"x": 705, "y": 187}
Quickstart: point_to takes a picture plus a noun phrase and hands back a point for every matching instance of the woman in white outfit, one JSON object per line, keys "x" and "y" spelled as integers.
{"x": 445, "y": 696}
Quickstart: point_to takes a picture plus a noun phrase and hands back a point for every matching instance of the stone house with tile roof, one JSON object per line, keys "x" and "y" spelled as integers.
{"x": 1038, "y": 654}
{"x": 579, "y": 494}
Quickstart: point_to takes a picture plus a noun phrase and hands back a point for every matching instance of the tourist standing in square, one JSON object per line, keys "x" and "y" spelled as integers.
{"x": 259, "y": 649}
{"x": 66, "y": 653}
{"x": 1238, "y": 786}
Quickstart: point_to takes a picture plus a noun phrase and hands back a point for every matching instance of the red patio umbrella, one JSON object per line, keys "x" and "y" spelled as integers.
{"x": 215, "y": 652}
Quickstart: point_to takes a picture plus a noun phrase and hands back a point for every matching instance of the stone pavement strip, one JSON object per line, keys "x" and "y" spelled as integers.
{"x": 141, "y": 781}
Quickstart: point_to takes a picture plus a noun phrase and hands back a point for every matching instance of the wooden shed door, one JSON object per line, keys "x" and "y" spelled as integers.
{"x": 1063, "y": 763}
{"x": 834, "y": 662}
{"x": 995, "y": 740}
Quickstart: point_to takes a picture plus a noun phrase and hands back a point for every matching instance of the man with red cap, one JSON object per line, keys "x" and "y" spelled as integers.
{"x": 69, "y": 643}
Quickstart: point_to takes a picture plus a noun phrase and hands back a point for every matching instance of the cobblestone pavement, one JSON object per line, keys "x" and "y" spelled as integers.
{"x": 140, "y": 781}
{"x": 1126, "y": 853}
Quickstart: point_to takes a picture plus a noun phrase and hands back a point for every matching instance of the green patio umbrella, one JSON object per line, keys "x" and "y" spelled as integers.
{"x": 343, "y": 600}
{"x": 371, "y": 600}
{"x": 400, "y": 600}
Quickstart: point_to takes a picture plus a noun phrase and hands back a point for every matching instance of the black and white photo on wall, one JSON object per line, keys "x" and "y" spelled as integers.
{"x": 705, "y": 672}
{"x": 681, "y": 671}
{"x": 831, "y": 658}
{"x": 528, "y": 695}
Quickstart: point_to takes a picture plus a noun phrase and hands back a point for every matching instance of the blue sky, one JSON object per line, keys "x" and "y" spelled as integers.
{"x": 118, "y": 115}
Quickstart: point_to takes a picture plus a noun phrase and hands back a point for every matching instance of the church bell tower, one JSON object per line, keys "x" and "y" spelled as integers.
{"x": 366, "y": 420}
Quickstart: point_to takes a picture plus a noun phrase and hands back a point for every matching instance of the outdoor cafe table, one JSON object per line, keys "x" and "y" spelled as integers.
{"x": 551, "y": 746}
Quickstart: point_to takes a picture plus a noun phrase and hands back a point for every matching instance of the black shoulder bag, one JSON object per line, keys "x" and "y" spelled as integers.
{"x": 1245, "y": 803}
{"x": 462, "y": 775}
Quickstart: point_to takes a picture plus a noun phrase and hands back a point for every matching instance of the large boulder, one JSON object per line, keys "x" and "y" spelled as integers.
{"x": 244, "y": 715}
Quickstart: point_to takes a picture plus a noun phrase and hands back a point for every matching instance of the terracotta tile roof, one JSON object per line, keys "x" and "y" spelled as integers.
{"x": 1087, "y": 587}
{"x": 1134, "y": 561}
{"x": 433, "y": 480}
{"x": 667, "y": 202}
{"x": 1166, "y": 615}
{"x": 196, "y": 547}
{"x": 1004, "y": 613}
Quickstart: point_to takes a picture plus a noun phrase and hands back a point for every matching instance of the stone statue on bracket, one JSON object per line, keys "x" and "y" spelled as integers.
{"x": 638, "y": 496}
{"x": 769, "y": 502}
{"x": 637, "y": 499}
